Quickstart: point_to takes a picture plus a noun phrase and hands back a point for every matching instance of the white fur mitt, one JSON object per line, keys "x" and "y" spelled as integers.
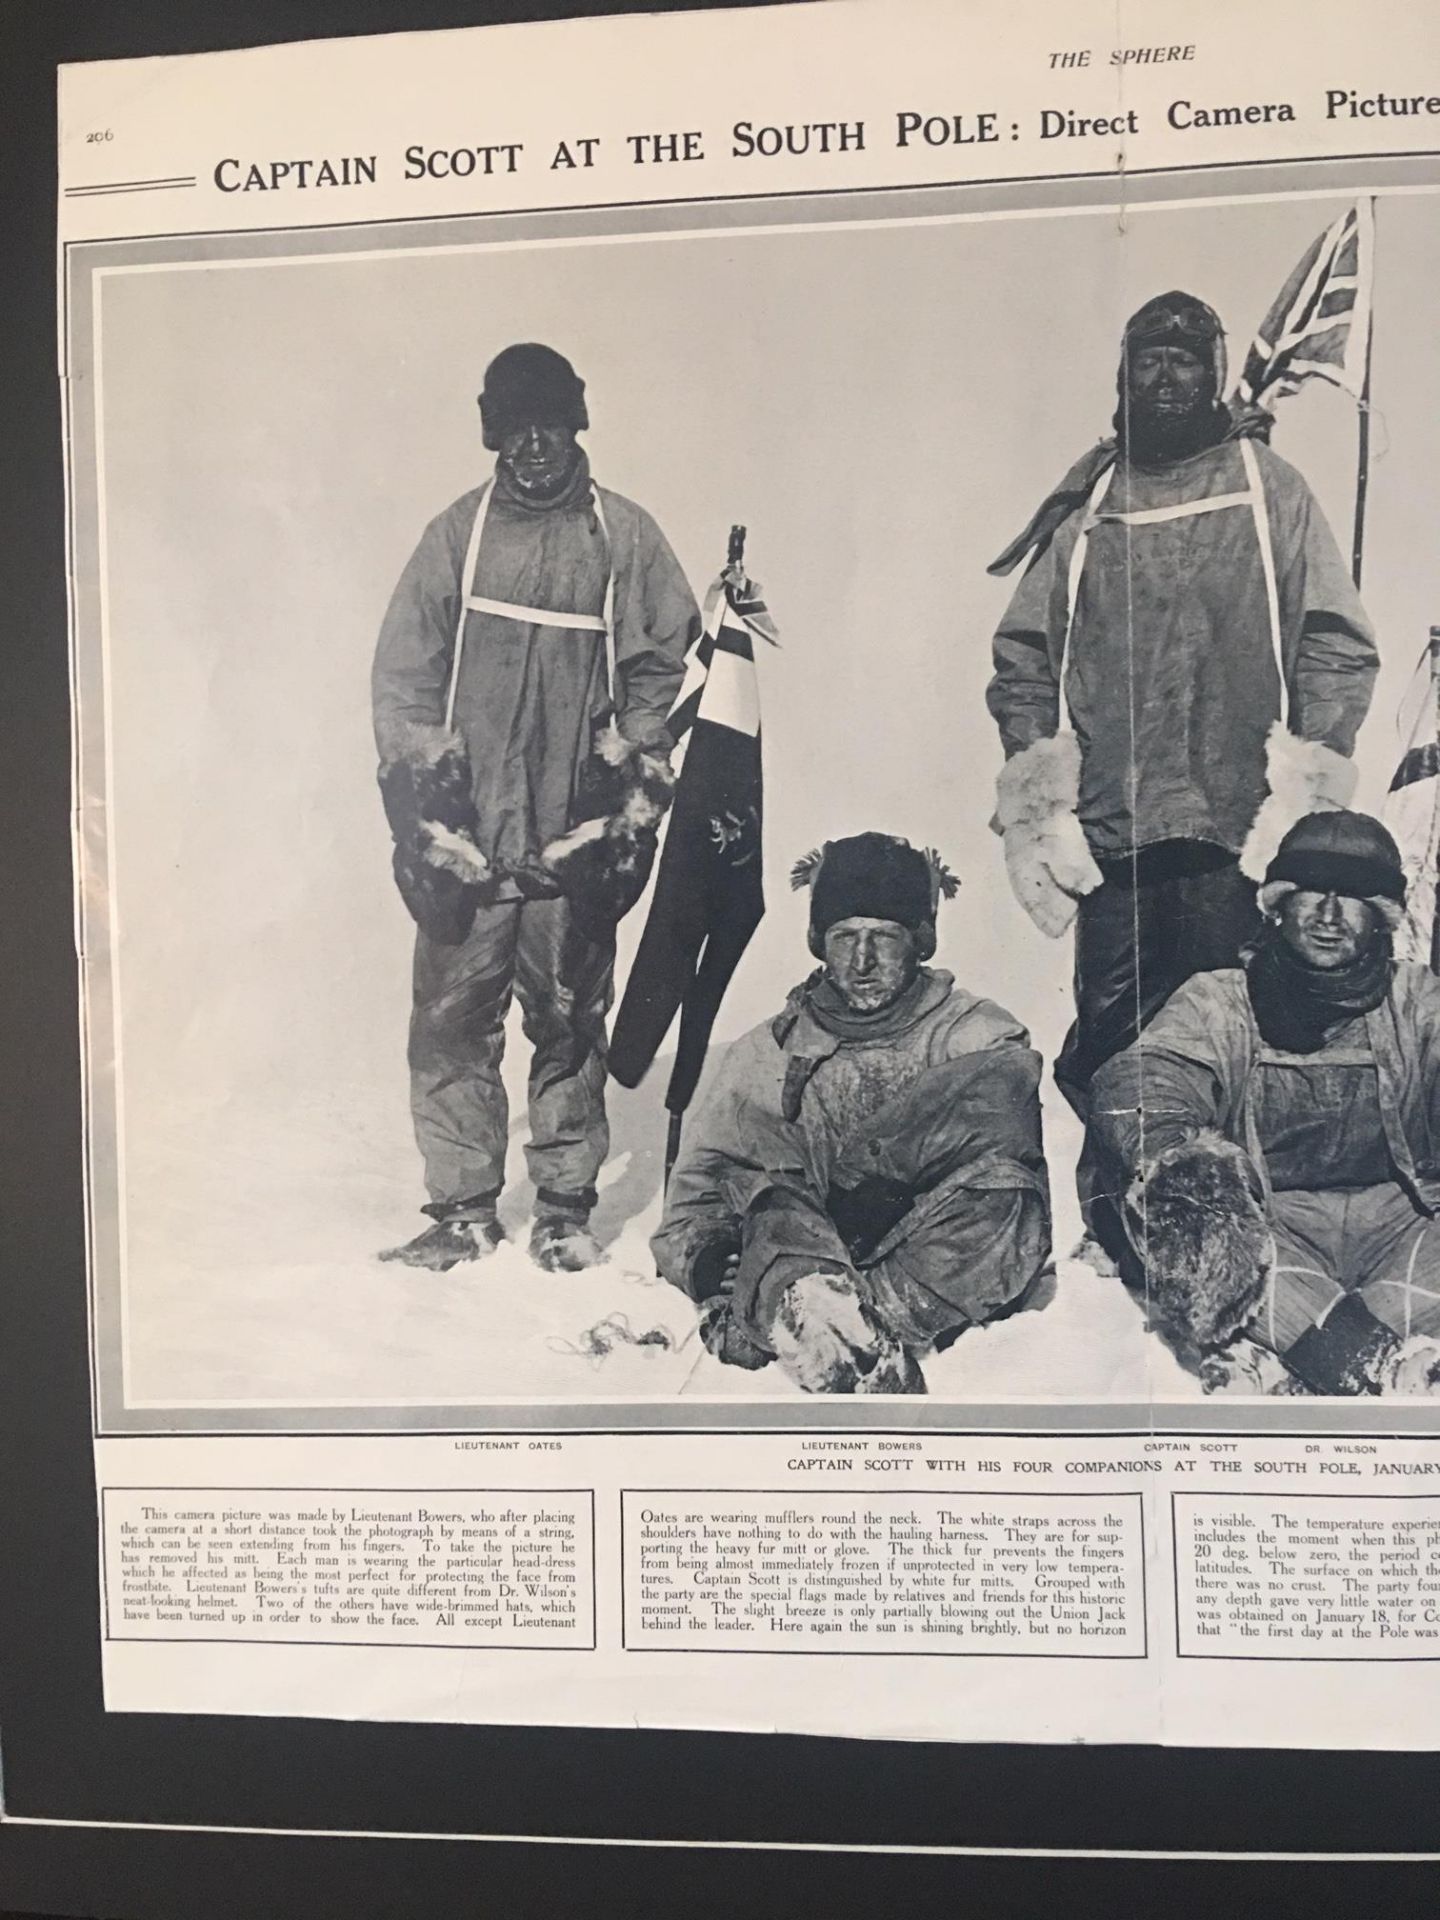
{"x": 1303, "y": 776}
{"x": 829, "y": 1340}
{"x": 1413, "y": 1368}
{"x": 1046, "y": 854}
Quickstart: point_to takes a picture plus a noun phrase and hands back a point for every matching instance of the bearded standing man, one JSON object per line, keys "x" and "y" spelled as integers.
{"x": 534, "y": 643}
{"x": 1185, "y": 636}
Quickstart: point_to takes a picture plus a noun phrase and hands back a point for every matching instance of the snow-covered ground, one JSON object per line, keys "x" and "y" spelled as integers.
{"x": 252, "y": 1280}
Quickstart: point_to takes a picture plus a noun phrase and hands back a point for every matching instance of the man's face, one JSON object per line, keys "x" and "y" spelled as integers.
{"x": 871, "y": 962}
{"x": 1326, "y": 930}
{"x": 1166, "y": 384}
{"x": 540, "y": 460}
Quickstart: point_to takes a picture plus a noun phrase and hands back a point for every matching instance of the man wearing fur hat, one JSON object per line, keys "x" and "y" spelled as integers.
{"x": 1185, "y": 638}
{"x": 1277, "y": 1128}
{"x": 865, "y": 1178}
{"x": 521, "y": 685}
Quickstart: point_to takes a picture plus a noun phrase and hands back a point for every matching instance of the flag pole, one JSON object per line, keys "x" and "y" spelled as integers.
{"x": 734, "y": 564}
{"x": 1362, "y": 474}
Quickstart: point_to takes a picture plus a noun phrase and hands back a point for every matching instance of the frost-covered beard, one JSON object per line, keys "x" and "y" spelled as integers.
{"x": 540, "y": 462}
{"x": 1164, "y": 423}
{"x": 870, "y": 963}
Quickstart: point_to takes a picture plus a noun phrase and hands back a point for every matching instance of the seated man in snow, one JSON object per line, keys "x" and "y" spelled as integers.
{"x": 865, "y": 1178}
{"x": 1277, "y": 1127}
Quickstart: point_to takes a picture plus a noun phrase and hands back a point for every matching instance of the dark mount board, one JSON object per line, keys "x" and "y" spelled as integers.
{"x": 66, "y": 1761}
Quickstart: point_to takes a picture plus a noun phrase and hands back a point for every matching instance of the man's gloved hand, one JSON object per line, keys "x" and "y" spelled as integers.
{"x": 429, "y": 801}
{"x": 726, "y": 1339}
{"x": 713, "y": 1272}
{"x": 829, "y": 1340}
{"x": 1204, "y": 1238}
{"x": 715, "y": 1265}
{"x": 1047, "y": 855}
{"x": 1414, "y": 1368}
{"x": 1050, "y": 867}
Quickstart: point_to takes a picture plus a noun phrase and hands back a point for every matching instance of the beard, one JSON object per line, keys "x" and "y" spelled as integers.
{"x": 1156, "y": 429}
{"x": 542, "y": 480}
{"x": 876, "y": 991}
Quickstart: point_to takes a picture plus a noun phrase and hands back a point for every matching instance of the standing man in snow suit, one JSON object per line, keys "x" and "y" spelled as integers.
{"x": 1277, "y": 1128}
{"x": 865, "y": 1179}
{"x": 522, "y": 680}
{"x": 1185, "y": 636}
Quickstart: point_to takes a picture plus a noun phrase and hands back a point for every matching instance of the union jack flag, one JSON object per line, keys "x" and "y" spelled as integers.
{"x": 1319, "y": 326}
{"x": 1412, "y": 810}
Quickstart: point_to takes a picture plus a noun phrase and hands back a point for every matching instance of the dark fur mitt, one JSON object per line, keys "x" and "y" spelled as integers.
{"x": 1204, "y": 1238}
{"x": 429, "y": 799}
{"x": 602, "y": 863}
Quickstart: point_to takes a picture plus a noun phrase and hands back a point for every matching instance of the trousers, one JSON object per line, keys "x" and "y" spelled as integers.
{"x": 564, "y": 980}
{"x": 953, "y": 1259}
{"x": 1366, "y": 1240}
{"x": 1178, "y": 909}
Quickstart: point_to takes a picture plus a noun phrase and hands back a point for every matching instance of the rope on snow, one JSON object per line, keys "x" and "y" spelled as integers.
{"x": 601, "y": 1340}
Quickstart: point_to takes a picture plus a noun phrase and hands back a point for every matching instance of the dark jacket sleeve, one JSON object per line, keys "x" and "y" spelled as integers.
{"x": 410, "y": 676}
{"x": 1332, "y": 660}
{"x": 1024, "y": 693}
{"x": 657, "y": 622}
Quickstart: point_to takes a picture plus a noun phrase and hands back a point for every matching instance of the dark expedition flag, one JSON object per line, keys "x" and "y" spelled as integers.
{"x": 709, "y": 891}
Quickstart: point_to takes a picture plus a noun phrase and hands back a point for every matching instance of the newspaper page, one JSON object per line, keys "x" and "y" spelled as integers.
{"x": 760, "y": 1023}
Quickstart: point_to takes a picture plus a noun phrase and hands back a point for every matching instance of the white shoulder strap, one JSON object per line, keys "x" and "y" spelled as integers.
{"x": 1253, "y": 497}
{"x": 1077, "y": 568}
{"x": 471, "y": 602}
{"x": 607, "y": 611}
{"x": 1267, "y": 558}
{"x": 467, "y": 582}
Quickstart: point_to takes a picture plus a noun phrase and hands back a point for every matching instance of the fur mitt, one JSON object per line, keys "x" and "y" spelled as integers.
{"x": 1303, "y": 776}
{"x": 1413, "y": 1368}
{"x": 1205, "y": 1241}
{"x": 1046, "y": 854}
{"x": 602, "y": 863}
{"x": 429, "y": 799}
{"x": 829, "y": 1340}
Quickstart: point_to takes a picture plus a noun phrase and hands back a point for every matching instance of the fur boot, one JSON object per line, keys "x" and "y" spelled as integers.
{"x": 1205, "y": 1241}
{"x": 428, "y": 793}
{"x": 602, "y": 863}
{"x": 563, "y": 1243}
{"x": 1046, "y": 854}
{"x": 828, "y": 1339}
{"x": 1303, "y": 776}
{"x": 449, "y": 1243}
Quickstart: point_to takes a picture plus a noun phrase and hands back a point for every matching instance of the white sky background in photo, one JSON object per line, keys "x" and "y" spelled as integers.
{"x": 883, "y": 409}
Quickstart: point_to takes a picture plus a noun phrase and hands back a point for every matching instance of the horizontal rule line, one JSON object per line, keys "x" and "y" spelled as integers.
{"x": 774, "y": 197}
{"x": 133, "y": 186}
